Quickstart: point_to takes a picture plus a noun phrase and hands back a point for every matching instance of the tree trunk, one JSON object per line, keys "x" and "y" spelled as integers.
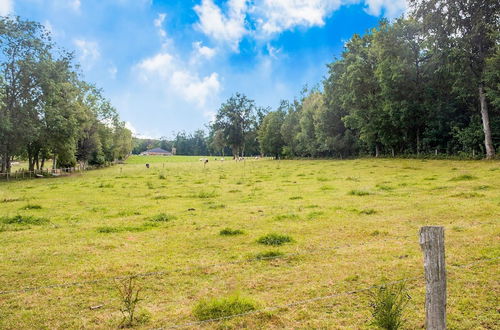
{"x": 488, "y": 143}
{"x": 377, "y": 151}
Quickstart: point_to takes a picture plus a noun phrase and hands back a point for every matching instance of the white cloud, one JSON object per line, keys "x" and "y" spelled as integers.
{"x": 164, "y": 69}
{"x": 160, "y": 65}
{"x": 6, "y": 7}
{"x": 230, "y": 22}
{"x": 275, "y": 16}
{"x": 158, "y": 23}
{"x": 226, "y": 27}
{"x": 391, "y": 8}
{"x": 203, "y": 51}
{"x": 88, "y": 50}
{"x": 195, "y": 89}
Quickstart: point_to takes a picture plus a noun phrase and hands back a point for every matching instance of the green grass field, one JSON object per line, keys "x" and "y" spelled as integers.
{"x": 351, "y": 224}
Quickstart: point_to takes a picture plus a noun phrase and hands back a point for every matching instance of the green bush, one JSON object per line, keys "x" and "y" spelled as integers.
{"x": 274, "y": 239}
{"x": 388, "y": 304}
{"x": 216, "y": 308}
{"x": 230, "y": 232}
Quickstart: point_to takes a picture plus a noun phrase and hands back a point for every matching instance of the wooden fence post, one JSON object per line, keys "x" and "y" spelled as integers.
{"x": 432, "y": 244}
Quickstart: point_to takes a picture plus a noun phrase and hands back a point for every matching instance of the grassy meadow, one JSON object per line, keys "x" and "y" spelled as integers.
{"x": 197, "y": 232}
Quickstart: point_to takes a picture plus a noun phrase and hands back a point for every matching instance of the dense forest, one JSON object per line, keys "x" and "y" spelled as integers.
{"x": 425, "y": 84}
{"x": 46, "y": 110}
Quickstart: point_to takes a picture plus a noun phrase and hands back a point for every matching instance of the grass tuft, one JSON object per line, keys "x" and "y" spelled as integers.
{"x": 31, "y": 207}
{"x": 388, "y": 304}
{"x": 231, "y": 232}
{"x": 206, "y": 194}
{"x": 367, "y": 211}
{"x": 23, "y": 220}
{"x": 162, "y": 217}
{"x": 287, "y": 216}
{"x": 215, "y": 308}
{"x": 268, "y": 255}
{"x": 356, "y": 192}
{"x": 274, "y": 239}
{"x": 464, "y": 177}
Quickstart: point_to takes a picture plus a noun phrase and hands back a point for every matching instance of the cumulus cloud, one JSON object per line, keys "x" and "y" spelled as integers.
{"x": 163, "y": 68}
{"x": 225, "y": 27}
{"x": 391, "y": 8}
{"x": 235, "y": 19}
{"x": 203, "y": 51}
{"x": 6, "y": 7}
{"x": 88, "y": 51}
{"x": 275, "y": 16}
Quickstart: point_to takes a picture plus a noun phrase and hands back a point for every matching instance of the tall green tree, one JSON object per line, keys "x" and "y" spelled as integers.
{"x": 236, "y": 119}
{"x": 471, "y": 28}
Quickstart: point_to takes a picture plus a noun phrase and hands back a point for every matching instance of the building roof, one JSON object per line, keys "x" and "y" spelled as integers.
{"x": 158, "y": 150}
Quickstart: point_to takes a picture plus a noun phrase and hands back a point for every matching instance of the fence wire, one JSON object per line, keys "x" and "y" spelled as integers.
{"x": 310, "y": 300}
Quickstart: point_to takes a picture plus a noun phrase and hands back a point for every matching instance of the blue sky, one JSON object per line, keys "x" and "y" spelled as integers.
{"x": 167, "y": 65}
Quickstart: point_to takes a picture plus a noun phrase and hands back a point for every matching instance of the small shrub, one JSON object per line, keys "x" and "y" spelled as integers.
{"x": 162, "y": 217}
{"x": 23, "y": 220}
{"x": 128, "y": 292}
{"x": 356, "y": 192}
{"x": 234, "y": 191}
{"x": 231, "y": 232}
{"x": 31, "y": 207}
{"x": 468, "y": 195}
{"x": 162, "y": 176}
{"x": 268, "y": 255}
{"x": 274, "y": 239}
{"x": 464, "y": 177}
{"x": 350, "y": 178}
{"x": 160, "y": 197}
{"x": 296, "y": 197}
{"x": 326, "y": 187}
{"x": 150, "y": 185}
{"x": 388, "y": 304}
{"x": 216, "y": 308}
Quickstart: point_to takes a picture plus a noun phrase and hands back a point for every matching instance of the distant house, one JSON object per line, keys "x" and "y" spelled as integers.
{"x": 156, "y": 152}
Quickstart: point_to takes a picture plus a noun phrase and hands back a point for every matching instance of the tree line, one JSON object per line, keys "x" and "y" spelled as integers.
{"x": 427, "y": 83}
{"x": 46, "y": 110}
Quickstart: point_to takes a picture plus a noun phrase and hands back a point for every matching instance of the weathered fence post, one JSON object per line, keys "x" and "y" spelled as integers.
{"x": 432, "y": 244}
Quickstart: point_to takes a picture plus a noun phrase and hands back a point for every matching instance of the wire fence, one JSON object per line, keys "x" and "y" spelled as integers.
{"x": 313, "y": 299}
{"x": 185, "y": 269}
{"x": 249, "y": 313}
{"x": 52, "y": 172}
